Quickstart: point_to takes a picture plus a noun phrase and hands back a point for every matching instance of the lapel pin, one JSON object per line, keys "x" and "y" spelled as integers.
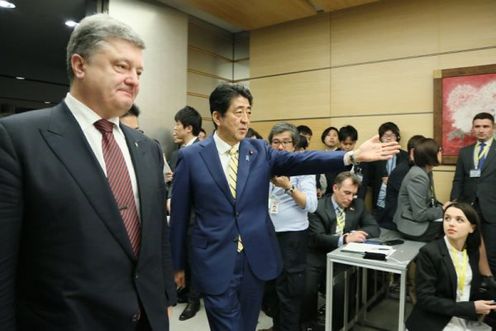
{"x": 136, "y": 144}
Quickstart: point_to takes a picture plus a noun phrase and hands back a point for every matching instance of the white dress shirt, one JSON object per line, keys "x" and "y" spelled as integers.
{"x": 86, "y": 118}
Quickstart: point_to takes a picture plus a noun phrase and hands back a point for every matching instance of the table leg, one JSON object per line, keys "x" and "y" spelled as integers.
{"x": 329, "y": 290}
{"x": 401, "y": 315}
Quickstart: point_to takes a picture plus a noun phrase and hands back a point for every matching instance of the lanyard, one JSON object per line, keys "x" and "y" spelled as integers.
{"x": 460, "y": 268}
{"x": 478, "y": 156}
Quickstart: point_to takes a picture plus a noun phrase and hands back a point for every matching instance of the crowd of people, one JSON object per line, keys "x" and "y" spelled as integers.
{"x": 85, "y": 242}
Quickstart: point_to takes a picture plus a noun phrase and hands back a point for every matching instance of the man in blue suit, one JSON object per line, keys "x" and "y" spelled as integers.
{"x": 224, "y": 181}
{"x": 83, "y": 235}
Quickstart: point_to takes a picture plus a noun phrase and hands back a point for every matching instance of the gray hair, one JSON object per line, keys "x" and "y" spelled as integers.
{"x": 281, "y": 127}
{"x": 88, "y": 36}
{"x": 342, "y": 176}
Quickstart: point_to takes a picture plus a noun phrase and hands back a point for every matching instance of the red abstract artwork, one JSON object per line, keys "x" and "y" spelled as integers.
{"x": 460, "y": 94}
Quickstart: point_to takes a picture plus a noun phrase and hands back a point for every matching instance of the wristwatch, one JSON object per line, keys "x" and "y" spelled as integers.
{"x": 290, "y": 190}
{"x": 352, "y": 158}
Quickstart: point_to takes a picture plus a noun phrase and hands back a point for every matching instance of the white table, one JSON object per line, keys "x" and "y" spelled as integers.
{"x": 397, "y": 263}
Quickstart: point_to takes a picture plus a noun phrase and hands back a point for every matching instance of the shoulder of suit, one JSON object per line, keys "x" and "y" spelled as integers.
{"x": 33, "y": 116}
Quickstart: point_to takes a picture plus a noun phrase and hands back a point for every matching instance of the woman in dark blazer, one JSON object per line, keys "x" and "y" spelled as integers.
{"x": 448, "y": 279}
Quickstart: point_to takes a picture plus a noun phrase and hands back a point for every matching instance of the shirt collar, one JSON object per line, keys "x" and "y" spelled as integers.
{"x": 222, "y": 146}
{"x": 84, "y": 115}
{"x": 335, "y": 204}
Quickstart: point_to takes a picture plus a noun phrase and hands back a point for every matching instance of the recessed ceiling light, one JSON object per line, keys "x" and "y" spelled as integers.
{"x": 20, "y": 78}
{"x": 6, "y": 4}
{"x": 46, "y": 102}
{"x": 71, "y": 23}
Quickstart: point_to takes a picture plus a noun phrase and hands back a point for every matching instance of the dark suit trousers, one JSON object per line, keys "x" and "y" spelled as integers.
{"x": 238, "y": 308}
{"x": 316, "y": 281}
{"x": 284, "y": 294}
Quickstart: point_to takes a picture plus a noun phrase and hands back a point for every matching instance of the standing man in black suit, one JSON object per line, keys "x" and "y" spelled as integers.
{"x": 475, "y": 180}
{"x": 186, "y": 131}
{"x": 83, "y": 236}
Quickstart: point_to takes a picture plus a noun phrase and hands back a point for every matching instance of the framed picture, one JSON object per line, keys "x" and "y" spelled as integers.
{"x": 460, "y": 94}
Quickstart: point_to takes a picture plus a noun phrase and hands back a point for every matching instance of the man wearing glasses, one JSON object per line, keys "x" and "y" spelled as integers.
{"x": 290, "y": 201}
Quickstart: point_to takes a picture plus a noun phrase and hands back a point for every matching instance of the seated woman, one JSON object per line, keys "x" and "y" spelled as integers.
{"x": 448, "y": 279}
{"x": 418, "y": 215}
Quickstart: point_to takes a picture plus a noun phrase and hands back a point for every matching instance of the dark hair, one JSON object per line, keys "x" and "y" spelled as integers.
{"x": 133, "y": 111}
{"x": 253, "y": 133}
{"x": 189, "y": 116}
{"x": 425, "y": 153}
{"x": 342, "y": 176}
{"x": 413, "y": 142}
{"x": 303, "y": 129}
{"x": 484, "y": 116}
{"x": 203, "y": 130}
{"x": 302, "y": 143}
{"x": 281, "y": 127}
{"x": 474, "y": 239}
{"x": 347, "y": 131}
{"x": 326, "y": 132}
{"x": 389, "y": 126}
{"x": 220, "y": 98}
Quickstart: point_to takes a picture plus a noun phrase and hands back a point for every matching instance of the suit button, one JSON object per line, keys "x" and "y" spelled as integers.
{"x": 237, "y": 214}
{"x": 136, "y": 276}
{"x": 136, "y": 317}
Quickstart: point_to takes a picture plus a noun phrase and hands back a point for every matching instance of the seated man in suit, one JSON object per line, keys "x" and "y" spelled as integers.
{"x": 339, "y": 220}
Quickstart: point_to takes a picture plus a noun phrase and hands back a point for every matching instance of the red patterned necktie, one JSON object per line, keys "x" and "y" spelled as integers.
{"x": 120, "y": 183}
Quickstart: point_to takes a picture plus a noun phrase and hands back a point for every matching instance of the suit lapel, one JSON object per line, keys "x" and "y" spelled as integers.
{"x": 67, "y": 141}
{"x": 331, "y": 216}
{"x": 137, "y": 151}
{"x": 448, "y": 264}
{"x": 210, "y": 156}
{"x": 490, "y": 156}
{"x": 247, "y": 156}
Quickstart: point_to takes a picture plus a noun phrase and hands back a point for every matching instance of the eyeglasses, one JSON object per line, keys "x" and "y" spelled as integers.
{"x": 284, "y": 142}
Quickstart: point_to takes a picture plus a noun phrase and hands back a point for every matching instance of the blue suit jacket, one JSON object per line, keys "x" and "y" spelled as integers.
{"x": 65, "y": 258}
{"x": 201, "y": 186}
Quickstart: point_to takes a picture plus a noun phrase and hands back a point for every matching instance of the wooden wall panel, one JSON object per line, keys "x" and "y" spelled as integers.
{"x": 302, "y": 95}
{"x": 210, "y": 38}
{"x": 202, "y": 84}
{"x": 384, "y": 30}
{"x": 443, "y": 179}
{"x": 207, "y": 63}
{"x": 467, "y": 59}
{"x": 290, "y": 47}
{"x": 467, "y": 24}
{"x": 387, "y": 87}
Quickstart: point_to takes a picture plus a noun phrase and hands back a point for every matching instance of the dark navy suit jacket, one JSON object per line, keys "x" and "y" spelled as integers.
{"x": 201, "y": 186}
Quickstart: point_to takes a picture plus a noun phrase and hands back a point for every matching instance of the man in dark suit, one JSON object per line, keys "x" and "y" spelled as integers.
{"x": 224, "y": 180}
{"x": 188, "y": 126}
{"x": 83, "y": 236}
{"x": 475, "y": 180}
{"x": 378, "y": 172}
{"x": 339, "y": 219}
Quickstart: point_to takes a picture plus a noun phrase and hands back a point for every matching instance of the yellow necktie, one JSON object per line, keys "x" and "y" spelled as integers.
{"x": 232, "y": 170}
{"x": 340, "y": 219}
{"x": 232, "y": 176}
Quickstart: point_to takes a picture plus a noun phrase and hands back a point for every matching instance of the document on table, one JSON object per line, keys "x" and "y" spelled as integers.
{"x": 361, "y": 248}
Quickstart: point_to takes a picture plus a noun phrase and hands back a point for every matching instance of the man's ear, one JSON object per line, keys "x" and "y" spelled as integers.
{"x": 78, "y": 66}
{"x": 216, "y": 116}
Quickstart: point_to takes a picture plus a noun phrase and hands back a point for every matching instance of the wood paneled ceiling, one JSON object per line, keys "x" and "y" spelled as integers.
{"x": 255, "y": 14}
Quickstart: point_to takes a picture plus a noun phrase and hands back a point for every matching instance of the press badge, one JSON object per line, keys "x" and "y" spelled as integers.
{"x": 475, "y": 173}
{"x": 273, "y": 206}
